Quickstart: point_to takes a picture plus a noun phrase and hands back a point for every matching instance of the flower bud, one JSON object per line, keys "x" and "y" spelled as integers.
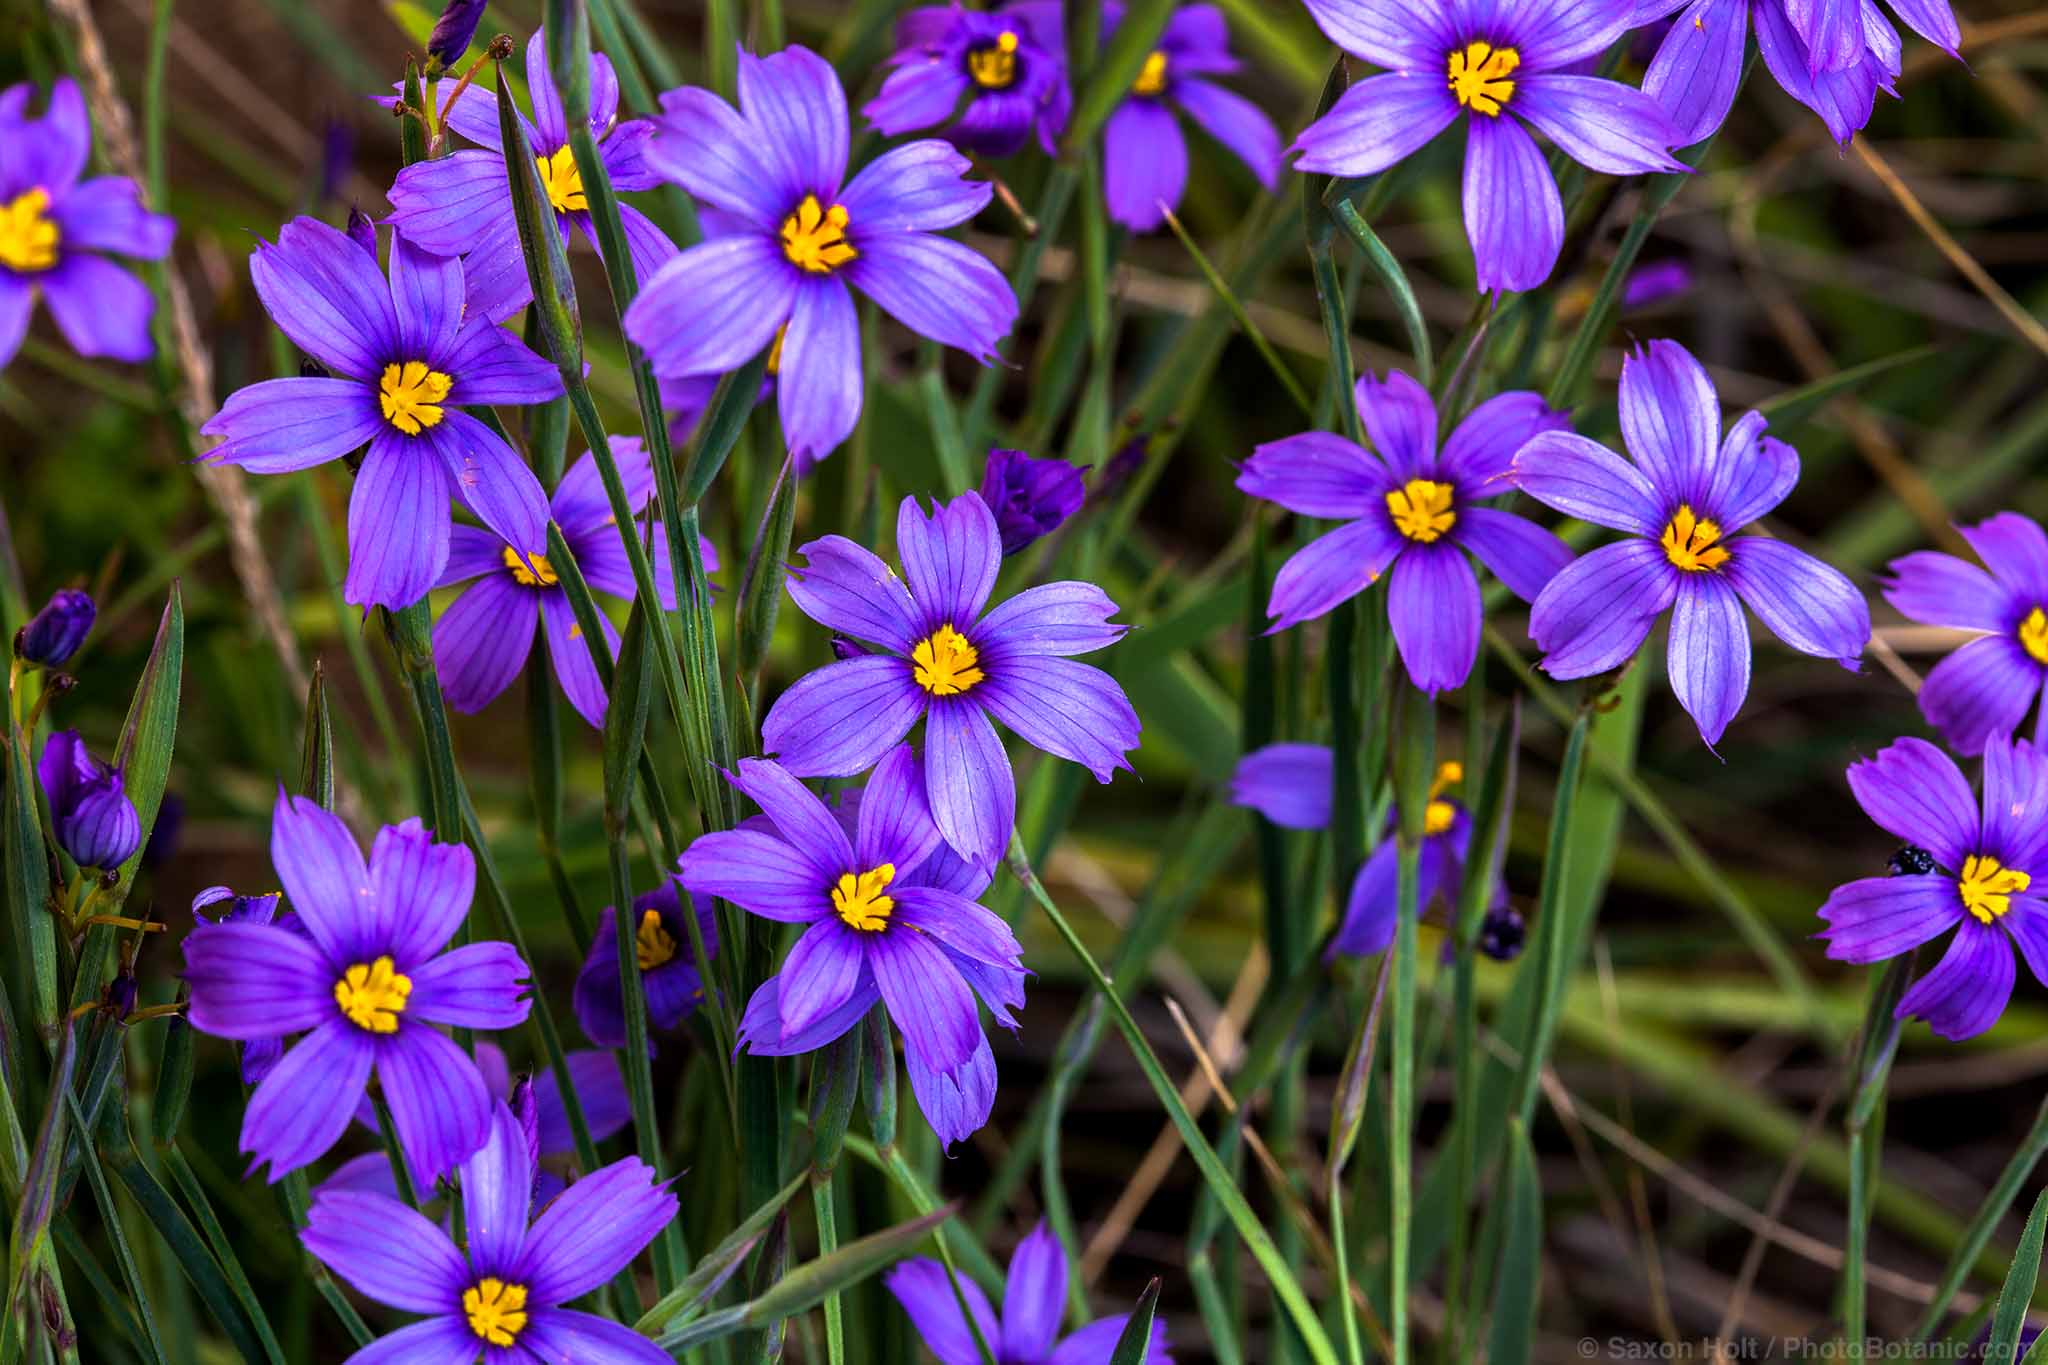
{"x": 1654, "y": 283}
{"x": 1029, "y": 497}
{"x": 1502, "y": 934}
{"x": 362, "y": 230}
{"x": 451, "y": 35}
{"x": 56, "y": 632}
{"x": 95, "y": 821}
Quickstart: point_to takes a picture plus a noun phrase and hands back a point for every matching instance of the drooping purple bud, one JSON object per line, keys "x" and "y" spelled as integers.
{"x": 451, "y": 35}
{"x": 1655, "y": 282}
{"x": 526, "y": 1108}
{"x": 1030, "y": 497}
{"x": 120, "y": 996}
{"x": 95, "y": 821}
{"x": 362, "y": 230}
{"x": 55, "y": 633}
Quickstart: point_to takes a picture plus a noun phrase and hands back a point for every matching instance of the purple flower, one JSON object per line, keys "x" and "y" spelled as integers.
{"x": 94, "y": 820}
{"x": 1698, "y": 67}
{"x": 365, "y": 982}
{"x": 890, "y": 916}
{"x": 1411, "y": 510}
{"x": 774, "y": 171}
{"x": 1479, "y": 60}
{"x": 670, "y": 976}
{"x": 1654, "y": 283}
{"x": 1687, "y": 492}
{"x": 941, "y": 659}
{"x": 1291, "y": 785}
{"x": 1983, "y": 878}
{"x": 1987, "y": 687}
{"x": 404, "y": 363}
{"x": 1008, "y": 64}
{"x": 503, "y": 1296}
{"x": 452, "y": 33}
{"x": 485, "y": 635}
{"x": 1030, "y": 498}
{"x": 54, "y": 229}
{"x": 259, "y": 1055}
{"x": 461, "y": 204}
{"x": 55, "y": 633}
{"x": 1144, "y": 154}
{"x": 1034, "y": 1300}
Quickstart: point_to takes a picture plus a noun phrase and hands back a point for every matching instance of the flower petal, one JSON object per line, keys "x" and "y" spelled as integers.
{"x": 386, "y": 1251}
{"x": 840, "y": 719}
{"x": 478, "y": 985}
{"x": 1698, "y": 68}
{"x": 1241, "y": 126}
{"x": 1580, "y": 478}
{"x": 1915, "y": 791}
{"x": 420, "y": 890}
{"x": 1752, "y": 474}
{"x": 1880, "y": 917}
{"x": 1397, "y": 34}
{"x": 563, "y": 1334}
{"x": 1811, "y": 606}
{"x": 106, "y": 214}
{"x": 281, "y": 425}
{"x": 328, "y": 296}
{"x": 491, "y": 365}
{"x": 497, "y": 1193}
{"x": 925, "y": 1290}
{"x": 2015, "y": 798}
{"x": 937, "y": 288}
{"x": 1097, "y": 1341}
{"x": 601, "y": 1090}
{"x": 593, "y": 1231}
{"x": 703, "y": 144}
{"x": 1593, "y": 616}
{"x": 569, "y": 655}
{"x": 255, "y": 981}
{"x": 894, "y": 824}
{"x": 974, "y": 795}
{"x": 1601, "y": 124}
{"x": 101, "y": 309}
{"x": 1400, "y": 419}
{"x": 918, "y": 187}
{"x": 452, "y": 203}
{"x": 482, "y": 641}
{"x": 1289, "y": 784}
{"x": 1063, "y": 707}
{"x": 1966, "y": 991}
{"x": 1433, "y": 606}
{"x": 1671, "y": 420}
{"x": 1520, "y": 553}
{"x": 1941, "y": 590}
{"x": 1708, "y": 658}
{"x": 950, "y": 558}
{"x": 758, "y": 872}
{"x": 1144, "y": 164}
{"x": 1482, "y": 450}
{"x": 439, "y": 1106}
{"x": 794, "y": 98}
{"x": 322, "y": 871}
{"x": 821, "y": 973}
{"x": 1034, "y": 1296}
{"x": 1983, "y": 689}
{"x": 426, "y": 294}
{"x": 762, "y": 1034}
{"x": 1514, "y": 216}
{"x": 818, "y": 393}
{"x": 1052, "y": 618}
{"x": 491, "y": 480}
{"x": 397, "y": 522}
{"x": 2015, "y": 549}
{"x": 798, "y": 816}
{"x": 1379, "y": 121}
{"x": 957, "y": 923}
{"x": 715, "y": 306}
{"x": 1330, "y": 569}
{"x": 1315, "y": 474}
{"x": 304, "y": 1105}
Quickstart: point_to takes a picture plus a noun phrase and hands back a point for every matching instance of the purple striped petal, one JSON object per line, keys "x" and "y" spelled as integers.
{"x": 818, "y": 392}
{"x": 1481, "y": 451}
{"x": 1514, "y": 216}
{"x": 397, "y": 522}
{"x": 2014, "y": 548}
{"x": 2015, "y": 798}
{"x": 1843, "y": 99}
{"x": 955, "y": 1100}
{"x": 1708, "y": 658}
{"x": 1601, "y": 124}
{"x": 1097, "y": 1341}
{"x": 1144, "y": 164}
{"x": 925, "y": 1290}
{"x": 17, "y": 302}
{"x": 1880, "y": 917}
{"x": 491, "y": 365}
{"x": 794, "y": 98}
{"x": 50, "y": 151}
{"x": 1053, "y": 618}
{"x": 1289, "y": 784}
{"x": 895, "y": 819}
{"x": 798, "y": 816}
{"x": 497, "y": 1192}
{"x": 920, "y": 94}
{"x": 1941, "y": 590}
{"x": 106, "y": 214}
{"x": 599, "y": 1087}
{"x": 840, "y": 719}
{"x": 1809, "y": 605}
{"x": 581, "y": 505}
{"x": 101, "y": 309}
{"x": 847, "y": 588}
{"x": 561, "y": 1334}
{"x": 1241, "y": 126}
{"x": 421, "y": 890}
{"x": 918, "y": 187}
{"x": 426, "y": 294}
{"x": 937, "y": 288}
{"x": 1315, "y": 474}
{"x": 1752, "y": 474}
{"x": 324, "y": 293}
{"x": 1698, "y": 68}
{"x": 437, "y": 1341}
{"x": 1034, "y": 1296}
{"x": 1915, "y": 791}
{"x": 1832, "y": 31}
{"x": 757, "y": 872}
{"x": 1397, "y": 34}
{"x": 1379, "y": 121}
{"x": 762, "y": 1034}
{"x": 386, "y": 1251}
{"x": 1400, "y": 419}
{"x": 451, "y": 203}
{"x": 472, "y": 553}
{"x": 1670, "y": 419}
{"x": 1555, "y": 33}
{"x": 323, "y": 874}
{"x": 1593, "y": 615}
{"x": 593, "y": 1231}
{"x": 2027, "y": 922}
{"x": 479, "y": 985}
{"x": 1330, "y": 569}
{"x": 1520, "y": 553}
{"x": 304, "y": 1105}
{"x": 256, "y": 981}
{"x": 950, "y": 558}
{"x": 1580, "y": 478}
{"x": 491, "y": 480}
{"x": 703, "y": 144}
{"x": 1372, "y": 908}
{"x": 1983, "y": 689}
{"x": 569, "y": 655}
{"x": 974, "y": 795}
{"x": 1968, "y": 988}
{"x": 820, "y": 975}
{"x": 1433, "y": 606}
{"x": 969, "y": 930}
{"x": 439, "y": 1106}
{"x": 482, "y": 640}
{"x": 1934, "y": 20}
{"x": 715, "y": 306}
{"x": 1069, "y": 709}
{"x": 281, "y": 425}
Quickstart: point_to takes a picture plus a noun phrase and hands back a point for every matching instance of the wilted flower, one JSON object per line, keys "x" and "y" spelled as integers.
{"x": 946, "y": 662}
{"x": 461, "y": 204}
{"x": 1982, "y": 881}
{"x": 366, "y": 982}
{"x": 1009, "y": 65}
{"x": 1679, "y": 504}
{"x": 1144, "y": 153}
{"x": 484, "y": 637}
{"x": 1988, "y": 686}
{"x": 54, "y": 229}
{"x": 1478, "y": 61}
{"x": 54, "y": 634}
{"x": 671, "y": 979}
{"x": 796, "y": 234}
{"x": 93, "y": 818}
{"x": 1034, "y": 1301}
{"x": 404, "y": 362}
{"x": 502, "y": 1295}
{"x": 1413, "y": 512}
{"x": 1030, "y": 498}
{"x": 1832, "y": 57}
{"x": 890, "y": 917}
{"x": 452, "y": 34}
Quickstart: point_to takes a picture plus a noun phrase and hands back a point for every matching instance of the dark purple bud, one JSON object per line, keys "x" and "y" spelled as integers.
{"x": 526, "y": 1108}
{"x": 95, "y": 821}
{"x": 1502, "y": 934}
{"x": 55, "y": 633}
{"x": 452, "y": 32}
{"x": 1656, "y": 282}
{"x": 1030, "y": 497}
{"x": 163, "y": 835}
{"x": 844, "y": 649}
{"x": 362, "y": 231}
{"x": 120, "y": 997}
{"x": 1121, "y": 466}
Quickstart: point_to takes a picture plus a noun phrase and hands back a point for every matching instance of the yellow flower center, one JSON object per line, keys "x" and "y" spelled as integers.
{"x": 534, "y": 571}
{"x": 814, "y": 237}
{"x": 412, "y": 395}
{"x": 775, "y": 350}
{"x": 652, "y": 944}
{"x": 28, "y": 239}
{"x": 564, "y": 183}
{"x": 1438, "y": 816}
{"x": 373, "y": 995}
{"x": 1422, "y": 509}
{"x": 1479, "y": 77}
{"x": 496, "y": 1310}
{"x": 2034, "y": 635}
{"x": 1987, "y": 888}
{"x": 945, "y": 663}
{"x": 1689, "y": 542}
{"x": 994, "y": 65}
{"x": 1151, "y": 76}
{"x": 860, "y": 902}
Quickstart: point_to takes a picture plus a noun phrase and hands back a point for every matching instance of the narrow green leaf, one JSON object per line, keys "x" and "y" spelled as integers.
{"x": 625, "y": 719}
{"x": 1281, "y": 370}
{"x": 761, "y": 584}
{"x": 2019, "y": 1287}
{"x": 540, "y": 242}
{"x": 316, "y": 755}
{"x": 1395, "y": 280}
{"x": 806, "y": 1286}
{"x": 1134, "y": 1342}
{"x": 718, "y": 1264}
{"x": 1519, "y": 1282}
{"x": 1984, "y": 1223}
{"x": 151, "y": 729}
{"x": 1794, "y": 406}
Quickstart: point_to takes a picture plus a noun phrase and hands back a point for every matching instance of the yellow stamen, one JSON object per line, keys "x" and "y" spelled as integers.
{"x": 1689, "y": 542}
{"x": 28, "y": 237}
{"x": 496, "y": 1310}
{"x": 1438, "y": 816}
{"x": 814, "y": 237}
{"x": 1987, "y": 889}
{"x": 1479, "y": 77}
{"x": 534, "y": 571}
{"x": 373, "y": 995}
{"x": 563, "y": 182}
{"x": 1152, "y": 76}
{"x": 775, "y": 350}
{"x": 412, "y": 395}
{"x": 994, "y": 65}
{"x": 652, "y": 944}
{"x": 2034, "y": 635}
{"x": 860, "y": 902}
{"x": 945, "y": 663}
{"x": 1422, "y": 510}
